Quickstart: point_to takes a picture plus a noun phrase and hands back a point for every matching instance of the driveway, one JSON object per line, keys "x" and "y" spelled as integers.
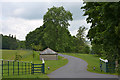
{"x": 76, "y": 68}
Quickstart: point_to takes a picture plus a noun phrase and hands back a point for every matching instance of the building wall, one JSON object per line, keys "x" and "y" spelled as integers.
{"x": 49, "y": 57}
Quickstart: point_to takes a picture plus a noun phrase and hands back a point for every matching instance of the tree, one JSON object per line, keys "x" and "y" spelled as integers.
{"x": 57, "y": 19}
{"x": 81, "y": 45}
{"x": 21, "y": 45}
{"x": 35, "y": 37}
{"x": 81, "y": 34}
{"x": 105, "y": 27}
{"x": 9, "y": 42}
{"x": 53, "y": 33}
{"x": 58, "y": 16}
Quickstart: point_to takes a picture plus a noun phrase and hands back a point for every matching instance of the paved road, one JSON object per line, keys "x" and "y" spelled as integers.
{"x": 76, "y": 68}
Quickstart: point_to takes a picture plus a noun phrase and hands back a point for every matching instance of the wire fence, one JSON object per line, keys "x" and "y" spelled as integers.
{"x": 11, "y": 67}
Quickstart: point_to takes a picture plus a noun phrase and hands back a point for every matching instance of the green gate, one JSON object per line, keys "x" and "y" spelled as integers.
{"x": 107, "y": 66}
{"x": 38, "y": 68}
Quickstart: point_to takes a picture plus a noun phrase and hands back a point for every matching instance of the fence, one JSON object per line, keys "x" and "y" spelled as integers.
{"x": 11, "y": 67}
{"x": 108, "y": 66}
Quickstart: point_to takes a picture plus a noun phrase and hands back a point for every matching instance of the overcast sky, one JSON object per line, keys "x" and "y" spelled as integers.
{"x": 19, "y": 18}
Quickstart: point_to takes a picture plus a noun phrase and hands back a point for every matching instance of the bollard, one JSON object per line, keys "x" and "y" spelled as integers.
{"x": 94, "y": 68}
{"x": 48, "y": 68}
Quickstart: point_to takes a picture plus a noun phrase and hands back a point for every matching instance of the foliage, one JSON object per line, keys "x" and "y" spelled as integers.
{"x": 105, "y": 20}
{"x": 58, "y": 16}
{"x": 86, "y": 49}
{"x": 81, "y": 34}
{"x": 17, "y": 57}
{"x": 54, "y": 33}
{"x": 9, "y": 42}
{"x": 21, "y": 45}
{"x": 81, "y": 42}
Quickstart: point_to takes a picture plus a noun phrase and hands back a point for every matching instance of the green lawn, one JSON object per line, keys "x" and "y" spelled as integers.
{"x": 10, "y": 54}
{"x": 92, "y": 60}
{"x": 27, "y": 56}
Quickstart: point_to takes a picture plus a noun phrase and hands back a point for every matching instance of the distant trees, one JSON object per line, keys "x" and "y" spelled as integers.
{"x": 10, "y": 42}
{"x": 81, "y": 42}
{"x": 21, "y": 44}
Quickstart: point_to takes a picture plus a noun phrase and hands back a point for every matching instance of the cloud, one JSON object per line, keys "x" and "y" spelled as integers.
{"x": 19, "y": 27}
{"x": 74, "y": 32}
{"x": 24, "y": 10}
{"x": 41, "y": 1}
{"x": 36, "y": 10}
{"x": 74, "y": 26}
{"x": 18, "y": 12}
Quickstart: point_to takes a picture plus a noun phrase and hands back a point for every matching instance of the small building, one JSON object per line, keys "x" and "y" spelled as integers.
{"x": 48, "y": 54}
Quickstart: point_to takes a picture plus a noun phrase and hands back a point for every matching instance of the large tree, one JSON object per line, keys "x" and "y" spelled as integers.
{"x": 53, "y": 33}
{"x": 105, "y": 28}
{"x": 57, "y": 34}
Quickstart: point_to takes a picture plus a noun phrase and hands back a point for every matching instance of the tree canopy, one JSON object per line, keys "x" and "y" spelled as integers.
{"x": 58, "y": 16}
{"x": 105, "y": 28}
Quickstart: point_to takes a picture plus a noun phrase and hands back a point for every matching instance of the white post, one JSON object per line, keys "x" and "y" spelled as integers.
{"x": 103, "y": 60}
{"x": 43, "y": 61}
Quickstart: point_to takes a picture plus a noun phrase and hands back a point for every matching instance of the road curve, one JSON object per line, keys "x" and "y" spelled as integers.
{"x": 76, "y": 68}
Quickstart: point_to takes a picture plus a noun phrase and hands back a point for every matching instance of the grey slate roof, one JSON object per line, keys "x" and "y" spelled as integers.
{"x": 48, "y": 51}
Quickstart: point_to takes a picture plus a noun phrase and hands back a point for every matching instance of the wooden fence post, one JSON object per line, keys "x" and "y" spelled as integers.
{"x": 13, "y": 67}
{"x": 2, "y": 67}
{"x": 22, "y": 67}
{"x": 25, "y": 67}
{"x": 31, "y": 68}
{"x": 18, "y": 67}
{"x": 43, "y": 68}
{"x": 8, "y": 67}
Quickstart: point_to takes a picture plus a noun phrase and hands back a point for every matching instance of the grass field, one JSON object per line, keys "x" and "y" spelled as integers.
{"x": 27, "y": 56}
{"x": 10, "y": 54}
{"x": 92, "y": 60}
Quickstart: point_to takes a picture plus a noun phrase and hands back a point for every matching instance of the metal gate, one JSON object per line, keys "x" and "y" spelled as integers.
{"x": 38, "y": 68}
